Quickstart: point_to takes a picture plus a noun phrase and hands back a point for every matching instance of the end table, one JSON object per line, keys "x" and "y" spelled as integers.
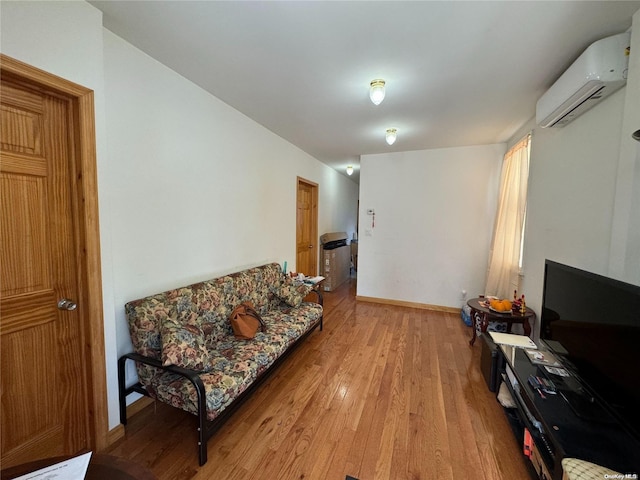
{"x": 486, "y": 315}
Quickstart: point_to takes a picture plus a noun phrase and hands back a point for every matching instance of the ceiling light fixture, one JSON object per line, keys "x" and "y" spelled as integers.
{"x": 349, "y": 170}
{"x": 392, "y": 134}
{"x": 376, "y": 93}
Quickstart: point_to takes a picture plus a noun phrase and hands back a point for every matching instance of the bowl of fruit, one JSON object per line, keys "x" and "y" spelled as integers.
{"x": 500, "y": 306}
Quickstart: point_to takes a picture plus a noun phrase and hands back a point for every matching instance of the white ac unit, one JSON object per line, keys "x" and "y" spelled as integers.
{"x": 596, "y": 74}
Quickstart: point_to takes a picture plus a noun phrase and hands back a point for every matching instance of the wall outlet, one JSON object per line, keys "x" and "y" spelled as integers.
{"x": 463, "y": 295}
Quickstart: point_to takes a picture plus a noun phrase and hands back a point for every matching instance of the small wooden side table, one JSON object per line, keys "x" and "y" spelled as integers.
{"x": 487, "y": 315}
{"x": 317, "y": 288}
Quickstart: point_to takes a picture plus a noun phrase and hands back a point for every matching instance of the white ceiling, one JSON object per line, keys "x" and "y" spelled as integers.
{"x": 458, "y": 73}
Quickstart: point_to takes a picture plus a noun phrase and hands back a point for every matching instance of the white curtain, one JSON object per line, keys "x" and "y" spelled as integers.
{"x": 503, "y": 273}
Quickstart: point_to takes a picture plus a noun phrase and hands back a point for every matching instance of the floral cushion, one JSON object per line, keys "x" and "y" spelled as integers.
{"x": 189, "y": 327}
{"x": 183, "y": 344}
{"x": 147, "y": 314}
{"x": 235, "y": 364}
{"x": 292, "y": 292}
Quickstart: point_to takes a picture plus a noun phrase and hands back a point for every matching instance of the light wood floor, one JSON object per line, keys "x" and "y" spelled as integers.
{"x": 384, "y": 392}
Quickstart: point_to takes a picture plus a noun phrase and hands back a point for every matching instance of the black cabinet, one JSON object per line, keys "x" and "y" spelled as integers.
{"x": 563, "y": 425}
{"x": 490, "y": 360}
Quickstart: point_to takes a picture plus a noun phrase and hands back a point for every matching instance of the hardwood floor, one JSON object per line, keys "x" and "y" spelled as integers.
{"x": 384, "y": 392}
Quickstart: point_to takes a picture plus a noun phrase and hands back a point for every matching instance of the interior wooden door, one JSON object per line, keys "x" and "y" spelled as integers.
{"x": 43, "y": 383}
{"x": 307, "y": 228}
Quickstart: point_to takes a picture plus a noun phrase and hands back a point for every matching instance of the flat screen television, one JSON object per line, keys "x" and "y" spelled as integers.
{"x": 593, "y": 323}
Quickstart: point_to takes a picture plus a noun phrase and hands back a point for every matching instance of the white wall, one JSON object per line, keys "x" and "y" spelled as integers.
{"x": 189, "y": 188}
{"x": 584, "y": 190}
{"x": 572, "y": 182}
{"x": 625, "y": 232}
{"x": 433, "y": 224}
{"x": 65, "y": 38}
{"x": 200, "y": 189}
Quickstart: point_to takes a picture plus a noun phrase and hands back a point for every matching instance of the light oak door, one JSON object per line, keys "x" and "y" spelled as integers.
{"x": 43, "y": 383}
{"x": 307, "y": 228}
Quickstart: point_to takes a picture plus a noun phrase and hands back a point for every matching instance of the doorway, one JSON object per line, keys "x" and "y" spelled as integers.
{"x": 53, "y": 379}
{"x": 307, "y": 227}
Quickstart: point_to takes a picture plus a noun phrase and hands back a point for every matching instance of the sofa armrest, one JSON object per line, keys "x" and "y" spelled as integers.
{"x": 318, "y": 293}
{"x": 191, "y": 375}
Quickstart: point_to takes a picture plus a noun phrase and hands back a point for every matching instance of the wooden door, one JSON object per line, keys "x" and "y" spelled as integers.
{"x": 307, "y": 228}
{"x": 43, "y": 383}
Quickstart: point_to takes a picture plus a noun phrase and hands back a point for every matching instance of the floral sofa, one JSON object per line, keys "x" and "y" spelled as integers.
{"x": 187, "y": 356}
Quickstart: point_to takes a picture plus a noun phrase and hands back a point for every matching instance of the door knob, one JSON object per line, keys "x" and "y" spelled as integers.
{"x": 66, "y": 304}
{"x": 310, "y": 246}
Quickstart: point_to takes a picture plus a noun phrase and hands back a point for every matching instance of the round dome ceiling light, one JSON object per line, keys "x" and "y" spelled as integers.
{"x": 391, "y": 136}
{"x": 376, "y": 92}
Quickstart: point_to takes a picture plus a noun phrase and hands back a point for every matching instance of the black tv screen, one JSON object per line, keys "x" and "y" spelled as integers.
{"x": 596, "y": 320}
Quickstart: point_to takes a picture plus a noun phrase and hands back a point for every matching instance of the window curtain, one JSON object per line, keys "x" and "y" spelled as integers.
{"x": 505, "y": 256}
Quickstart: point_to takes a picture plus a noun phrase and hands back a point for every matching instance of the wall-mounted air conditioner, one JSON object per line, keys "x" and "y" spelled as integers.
{"x": 596, "y": 74}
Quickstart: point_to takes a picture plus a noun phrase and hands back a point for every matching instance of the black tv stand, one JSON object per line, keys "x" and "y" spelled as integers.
{"x": 586, "y": 406}
{"x": 571, "y": 424}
